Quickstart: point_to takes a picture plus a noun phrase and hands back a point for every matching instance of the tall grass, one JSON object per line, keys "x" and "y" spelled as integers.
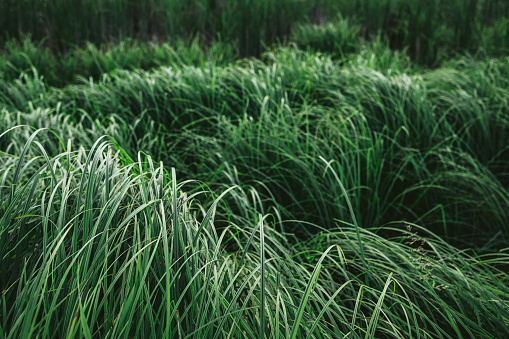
{"x": 297, "y": 195}
{"x": 432, "y": 31}
{"x": 96, "y": 244}
{"x": 338, "y": 37}
{"x": 92, "y": 62}
{"x": 406, "y": 147}
{"x": 98, "y": 21}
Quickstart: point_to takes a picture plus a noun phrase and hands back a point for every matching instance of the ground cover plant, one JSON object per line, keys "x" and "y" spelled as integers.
{"x": 323, "y": 190}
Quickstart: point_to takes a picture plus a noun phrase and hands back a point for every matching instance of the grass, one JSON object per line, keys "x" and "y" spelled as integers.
{"x": 110, "y": 247}
{"x": 304, "y": 194}
{"x": 338, "y": 37}
{"x": 91, "y": 61}
{"x": 273, "y": 120}
{"x": 432, "y": 31}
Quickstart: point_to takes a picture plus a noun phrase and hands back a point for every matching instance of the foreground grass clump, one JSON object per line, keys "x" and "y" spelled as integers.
{"x": 96, "y": 244}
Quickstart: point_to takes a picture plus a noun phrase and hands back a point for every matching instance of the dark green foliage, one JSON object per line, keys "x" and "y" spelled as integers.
{"x": 337, "y": 37}
{"x": 431, "y": 30}
{"x": 435, "y": 30}
{"x": 93, "y": 62}
{"x": 403, "y": 144}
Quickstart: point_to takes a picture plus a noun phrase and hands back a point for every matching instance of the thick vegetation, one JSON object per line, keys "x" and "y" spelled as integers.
{"x": 432, "y": 30}
{"x": 158, "y": 190}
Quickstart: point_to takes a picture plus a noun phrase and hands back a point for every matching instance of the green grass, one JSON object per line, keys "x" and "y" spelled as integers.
{"x": 114, "y": 248}
{"x": 432, "y": 31}
{"x": 397, "y": 140}
{"x": 338, "y": 37}
{"x": 303, "y": 194}
{"x": 60, "y": 69}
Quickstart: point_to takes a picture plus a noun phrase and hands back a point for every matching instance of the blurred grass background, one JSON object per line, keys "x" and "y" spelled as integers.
{"x": 431, "y": 29}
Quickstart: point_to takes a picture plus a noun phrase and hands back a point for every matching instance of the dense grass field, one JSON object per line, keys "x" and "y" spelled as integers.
{"x": 333, "y": 187}
{"x": 430, "y": 30}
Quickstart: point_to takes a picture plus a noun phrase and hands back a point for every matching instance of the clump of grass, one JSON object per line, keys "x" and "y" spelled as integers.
{"x": 92, "y": 61}
{"x": 24, "y": 56}
{"x": 402, "y": 142}
{"x": 96, "y": 244}
{"x": 338, "y": 37}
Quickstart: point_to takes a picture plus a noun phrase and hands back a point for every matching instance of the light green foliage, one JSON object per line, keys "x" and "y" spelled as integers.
{"x": 113, "y": 248}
